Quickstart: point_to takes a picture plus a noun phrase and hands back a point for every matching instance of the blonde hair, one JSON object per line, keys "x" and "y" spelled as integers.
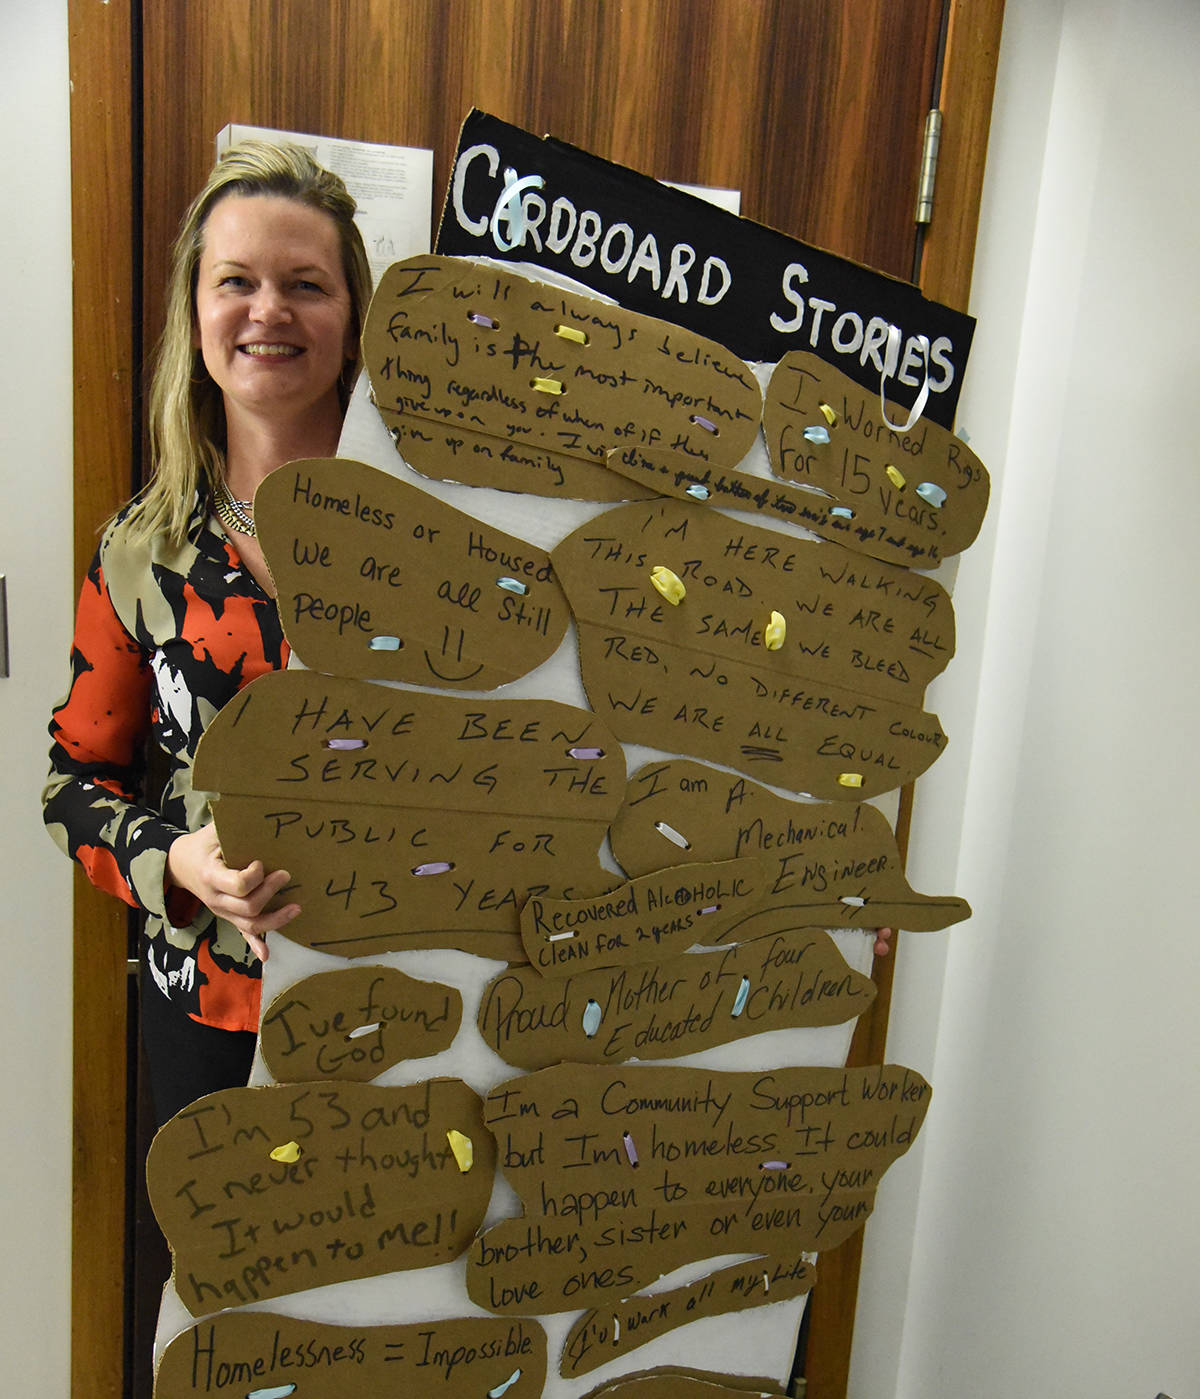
{"x": 186, "y": 410}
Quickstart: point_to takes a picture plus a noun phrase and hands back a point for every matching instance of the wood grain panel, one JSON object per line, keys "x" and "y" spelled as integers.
{"x": 102, "y": 236}
{"x": 968, "y": 86}
{"x": 813, "y": 108}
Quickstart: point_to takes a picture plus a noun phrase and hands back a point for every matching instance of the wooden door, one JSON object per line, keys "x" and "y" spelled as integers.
{"x": 814, "y": 109}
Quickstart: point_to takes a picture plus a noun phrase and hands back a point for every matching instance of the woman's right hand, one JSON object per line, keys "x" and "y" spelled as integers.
{"x": 195, "y": 863}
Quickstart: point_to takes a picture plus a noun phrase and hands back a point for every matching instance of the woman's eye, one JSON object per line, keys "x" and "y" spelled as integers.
{"x": 309, "y": 286}
{"x": 233, "y": 281}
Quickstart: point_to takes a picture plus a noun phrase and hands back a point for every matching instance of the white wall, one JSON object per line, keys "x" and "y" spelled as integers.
{"x": 1044, "y": 1239}
{"x": 35, "y": 555}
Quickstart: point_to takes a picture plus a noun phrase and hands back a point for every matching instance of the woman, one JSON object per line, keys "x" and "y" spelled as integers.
{"x": 266, "y": 298}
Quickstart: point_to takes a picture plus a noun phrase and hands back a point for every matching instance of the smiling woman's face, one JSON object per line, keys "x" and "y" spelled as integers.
{"x": 272, "y": 310}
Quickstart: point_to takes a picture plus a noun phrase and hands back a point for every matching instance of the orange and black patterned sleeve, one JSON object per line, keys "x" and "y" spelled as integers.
{"x": 92, "y": 803}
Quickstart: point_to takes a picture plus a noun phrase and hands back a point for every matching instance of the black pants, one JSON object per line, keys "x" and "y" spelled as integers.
{"x": 187, "y": 1060}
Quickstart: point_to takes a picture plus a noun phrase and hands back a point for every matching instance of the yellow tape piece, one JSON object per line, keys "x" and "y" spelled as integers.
{"x": 895, "y": 477}
{"x": 546, "y": 386}
{"x": 568, "y": 332}
{"x": 850, "y": 779}
{"x": 288, "y": 1152}
{"x": 463, "y": 1149}
{"x": 828, "y": 414}
{"x": 668, "y": 584}
{"x": 775, "y": 632}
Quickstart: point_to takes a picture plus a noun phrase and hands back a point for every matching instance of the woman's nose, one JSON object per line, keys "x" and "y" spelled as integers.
{"x": 269, "y": 305}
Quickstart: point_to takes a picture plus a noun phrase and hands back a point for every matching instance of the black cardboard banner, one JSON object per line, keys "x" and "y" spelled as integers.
{"x": 664, "y": 253}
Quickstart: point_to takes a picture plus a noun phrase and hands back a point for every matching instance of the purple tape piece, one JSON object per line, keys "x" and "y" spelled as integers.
{"x": 590, "y": 755}
{"x": 345, "y": 744}
{"x": 772, "y": 1165}
{"x": 435, "y": 867}
{"x": 486, "y": 321}
{"x": 704, "y": 423}
{"x": 630, "y": 1149}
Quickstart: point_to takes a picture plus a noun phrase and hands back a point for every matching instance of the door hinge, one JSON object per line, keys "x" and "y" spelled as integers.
{"x": 929, "y": 160}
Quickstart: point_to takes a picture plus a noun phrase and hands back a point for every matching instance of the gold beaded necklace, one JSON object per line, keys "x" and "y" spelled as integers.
{"x": 234, "y": 514}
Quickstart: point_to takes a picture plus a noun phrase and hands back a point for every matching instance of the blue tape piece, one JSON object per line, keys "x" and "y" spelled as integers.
{"x": 739, "y": 1001}
{"x": 280, "y": 1391}
{"x": 816, "y": 434}
{"x": 385, "y": 643}
{"x": 843, "y": 512}
{"x": 933, "y": 493}
{"x": 511, "y": 585}
{"x": 697, "y": 491}
{"x": 592, "y": 1016}
{"x": 503, "y": 1388}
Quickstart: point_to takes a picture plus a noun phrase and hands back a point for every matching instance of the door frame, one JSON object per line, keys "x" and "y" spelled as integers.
{"x": 105, "y": 227}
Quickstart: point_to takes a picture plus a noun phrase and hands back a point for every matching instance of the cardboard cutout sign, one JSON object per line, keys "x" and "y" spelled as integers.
{"x": 669, "y": 254}
{"x": 643, "y": 919}
{"x": 495, "y": 380}
{"x": 669, "y": 474}
{"x": 892, "y": 487}
{"x": 629, "y": 1173}
{"x": 668, "y": 1383}
{"x": 409, "y": 819}
{"x": 266, "y": 1191}
{"x": 265, "y": 1354}
{"x": 665, "y": 1009}
{"x": 850, "y": 621}
{"x": 834, "y": 866}
{"x": 382, "y": 581}
{"x": 695, "y": 675}
{"x": 600, "y": 1336}
{"x": 355, "y": 1023}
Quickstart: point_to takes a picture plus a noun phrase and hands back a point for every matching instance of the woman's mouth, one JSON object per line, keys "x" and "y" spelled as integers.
{"x": 261, "y": 351}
